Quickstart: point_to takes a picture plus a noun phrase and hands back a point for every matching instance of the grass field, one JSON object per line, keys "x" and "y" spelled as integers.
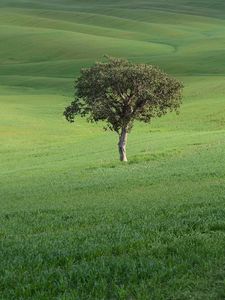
{"x": 74, "y": 222}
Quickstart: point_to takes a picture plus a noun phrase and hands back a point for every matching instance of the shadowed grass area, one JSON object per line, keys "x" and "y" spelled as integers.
{"x": 77, "y": 224}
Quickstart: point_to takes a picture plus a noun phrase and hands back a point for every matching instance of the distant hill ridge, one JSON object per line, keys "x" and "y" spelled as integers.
{"x": 43, "y": 44}
{"x": 215, "y": 8}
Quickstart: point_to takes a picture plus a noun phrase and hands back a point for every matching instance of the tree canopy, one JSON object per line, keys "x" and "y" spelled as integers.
{"x": 119, "y": 92}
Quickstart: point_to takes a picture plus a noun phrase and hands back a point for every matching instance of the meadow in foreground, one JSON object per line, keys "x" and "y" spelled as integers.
{"x": 75, "y": 223}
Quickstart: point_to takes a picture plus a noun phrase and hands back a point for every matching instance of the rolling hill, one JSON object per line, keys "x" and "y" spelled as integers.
{"x": 75, "y": 223}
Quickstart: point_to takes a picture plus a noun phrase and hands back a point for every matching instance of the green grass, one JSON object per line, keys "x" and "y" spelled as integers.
{"x": 74, "y": 222}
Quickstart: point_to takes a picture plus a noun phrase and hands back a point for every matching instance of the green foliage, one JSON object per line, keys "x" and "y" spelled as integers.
{"x": 120, "y": 92}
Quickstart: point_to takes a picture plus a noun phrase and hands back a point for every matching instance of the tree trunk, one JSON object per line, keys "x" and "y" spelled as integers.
{"x": 122, "y": 145}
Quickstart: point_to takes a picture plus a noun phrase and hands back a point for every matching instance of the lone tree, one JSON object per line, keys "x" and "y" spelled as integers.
{"x": 120, "y": 92}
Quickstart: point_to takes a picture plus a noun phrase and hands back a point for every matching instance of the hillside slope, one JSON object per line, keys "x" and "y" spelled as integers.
{"x": 74, "y": 222}
{"x": 42, "y": 41}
